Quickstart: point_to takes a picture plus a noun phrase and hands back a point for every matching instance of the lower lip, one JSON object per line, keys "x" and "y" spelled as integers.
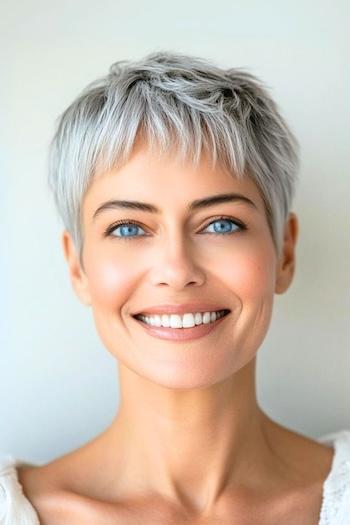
{"x": 181, "y": 334}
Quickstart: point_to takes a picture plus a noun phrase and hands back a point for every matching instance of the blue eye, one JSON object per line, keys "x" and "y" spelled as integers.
{"x": 128, "y": 230}
{"x": 225, "y": 228}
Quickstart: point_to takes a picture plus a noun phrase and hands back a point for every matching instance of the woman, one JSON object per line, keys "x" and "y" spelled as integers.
{"x": 175, "y": 179}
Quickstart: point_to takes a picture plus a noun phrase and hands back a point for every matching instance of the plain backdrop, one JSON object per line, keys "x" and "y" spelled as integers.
{"x": 58, "y": 385}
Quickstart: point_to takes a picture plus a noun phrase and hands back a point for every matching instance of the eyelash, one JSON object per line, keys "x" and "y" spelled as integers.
{"x": 112, "y": 227}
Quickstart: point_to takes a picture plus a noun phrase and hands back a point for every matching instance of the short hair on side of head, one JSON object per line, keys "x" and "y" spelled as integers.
{"x": 181, "y": 103}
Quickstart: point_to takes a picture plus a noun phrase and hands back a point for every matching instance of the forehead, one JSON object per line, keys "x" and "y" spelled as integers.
{"x": 165, "y": 181}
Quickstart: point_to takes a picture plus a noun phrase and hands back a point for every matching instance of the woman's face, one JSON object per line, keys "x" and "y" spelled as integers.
{"x": 176, "y": 256}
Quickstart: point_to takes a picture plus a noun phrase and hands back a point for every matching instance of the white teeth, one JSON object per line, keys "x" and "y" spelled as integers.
{"x": 175, "y": 321}
{"x": 165, "y": 320}
{"x": 188, "y": 320}
{"x": 206, "y": 318}
{"x": 198, "y": 318}
{"x": 157, "y": 320}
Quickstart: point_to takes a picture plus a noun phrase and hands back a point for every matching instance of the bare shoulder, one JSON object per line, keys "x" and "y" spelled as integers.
{"x": 45, "y": 493}
{"x": 72, "y": 489}
{"x": 301, "y": 454}
{"x": 306, "y": 464}
{"x": 53, "y": 489}
{"x": 45, "y": 487}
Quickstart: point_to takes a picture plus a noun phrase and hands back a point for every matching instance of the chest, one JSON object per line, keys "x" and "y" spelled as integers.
{"x": 301, "y": 510}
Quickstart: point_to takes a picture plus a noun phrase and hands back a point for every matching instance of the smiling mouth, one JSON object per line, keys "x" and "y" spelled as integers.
{"x": 182, "y": 334}
{"x": 177, "y": 322}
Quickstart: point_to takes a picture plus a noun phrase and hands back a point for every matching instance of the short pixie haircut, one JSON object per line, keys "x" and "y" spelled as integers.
{"x": 178, "y": 103}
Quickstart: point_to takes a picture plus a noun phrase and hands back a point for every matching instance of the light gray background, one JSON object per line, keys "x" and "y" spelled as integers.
{"x": 58, "y": 385}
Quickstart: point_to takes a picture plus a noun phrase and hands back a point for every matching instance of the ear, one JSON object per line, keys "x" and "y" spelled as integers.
{"x": 78, "y": 276}
{"x": 286, "y": 264}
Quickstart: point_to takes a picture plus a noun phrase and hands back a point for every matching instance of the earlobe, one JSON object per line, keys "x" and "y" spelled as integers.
{"x": 286, "y": 265}
{"x": 78, "y": 276}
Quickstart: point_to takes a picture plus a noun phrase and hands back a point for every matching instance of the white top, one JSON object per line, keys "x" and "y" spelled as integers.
{"x": 16, "y": 509}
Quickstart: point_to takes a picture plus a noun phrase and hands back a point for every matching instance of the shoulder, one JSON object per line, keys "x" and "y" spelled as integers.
{"x": 336, "y": 497}
{"x": 14, "y": 506}
{"x": 31, "y": 494}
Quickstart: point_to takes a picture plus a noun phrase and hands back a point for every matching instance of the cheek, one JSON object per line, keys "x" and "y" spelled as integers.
{"x": 110, "y": 281}
{"x": 249, "y": 274}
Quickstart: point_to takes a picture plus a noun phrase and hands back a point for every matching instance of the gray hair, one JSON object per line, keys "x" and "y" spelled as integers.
{"x": 178, "y": 102}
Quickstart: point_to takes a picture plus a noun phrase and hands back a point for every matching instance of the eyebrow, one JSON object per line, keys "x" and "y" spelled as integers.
{"x": 195, "y": 205}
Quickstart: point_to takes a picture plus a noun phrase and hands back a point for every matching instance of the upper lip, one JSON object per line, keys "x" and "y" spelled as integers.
{"x": 181, "y": 308}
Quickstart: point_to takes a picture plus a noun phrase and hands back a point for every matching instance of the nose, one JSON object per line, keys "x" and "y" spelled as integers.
{"x": 175, "y": 265}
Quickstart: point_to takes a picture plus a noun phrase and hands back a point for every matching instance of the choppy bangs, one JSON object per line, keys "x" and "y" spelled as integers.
{"x": 179, "y": 104}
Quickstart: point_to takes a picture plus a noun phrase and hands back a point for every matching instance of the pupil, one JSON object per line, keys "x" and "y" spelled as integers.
{"x": 222, "y": 226}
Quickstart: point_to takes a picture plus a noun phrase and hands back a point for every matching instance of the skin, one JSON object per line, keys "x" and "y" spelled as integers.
{"x": 189, "y": 443}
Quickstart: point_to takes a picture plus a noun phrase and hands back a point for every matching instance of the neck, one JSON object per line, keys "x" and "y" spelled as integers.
{"x": 189, "y": 445}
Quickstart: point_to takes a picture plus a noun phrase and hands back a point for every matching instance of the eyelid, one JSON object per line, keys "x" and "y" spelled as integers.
{"x": 239, "y": 223}
{"x": 113, "y": 226}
